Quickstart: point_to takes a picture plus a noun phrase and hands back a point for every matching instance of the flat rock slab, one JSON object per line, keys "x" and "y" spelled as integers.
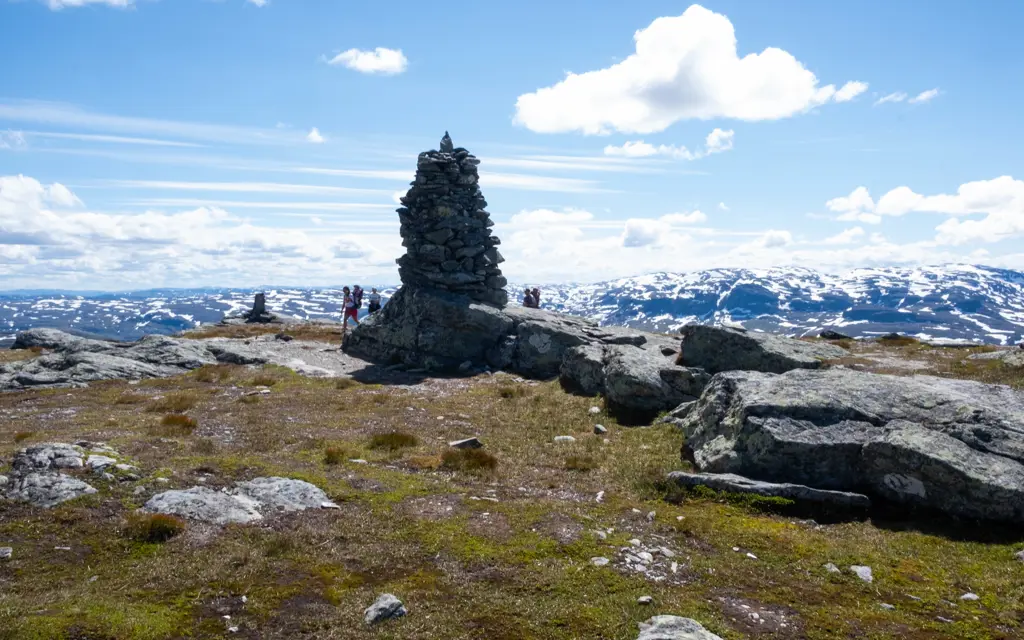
{"x": 952, "y": 445}
{"x": 47, "y": 490}
{"x": 283, "y": 494}
{"x": 717, "y": 349}
{"x": 733, "y": 483}
{"x": 1009, "y": 357}
{"x": 674, "y": 628}
{"x": 204, "y": 504}
{"x": 245, "y": 502}
{"x": 73, "y": 361}
{"x": 48, "y": 456}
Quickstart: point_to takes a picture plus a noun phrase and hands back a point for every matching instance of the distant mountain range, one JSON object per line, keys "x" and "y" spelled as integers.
{"x": 947, "y": 302}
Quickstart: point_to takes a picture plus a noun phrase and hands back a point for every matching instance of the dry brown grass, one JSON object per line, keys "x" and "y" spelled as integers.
{"x": 264, "y": 380}
{"x": 393, "y": 441}
{"x": 215, "y": 373}
{"x": 153, "y": 527}
{"x": 17, "y": 355}
{"x": 469, "y": 460}
{"x": 175, "y": 402}
{"x": 319, "y": 332}
{"x": 176, "y": 425}
{"x": 22, "y": 436}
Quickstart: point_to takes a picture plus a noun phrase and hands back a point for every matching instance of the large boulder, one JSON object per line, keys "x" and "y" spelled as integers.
{"x": 47, "y": 490}
{"x": 952, "y": 445}
{"x": 245, "y": 502}
{"x": 717, "y": 349}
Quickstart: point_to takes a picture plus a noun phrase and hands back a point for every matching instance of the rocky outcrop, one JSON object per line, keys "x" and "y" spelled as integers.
{"x": 1008, "y": 357}
{"x": 245, "y": 502}
{"x": 73, "y": 361}
{"x": 952, "y": 445}
{"x": 732, "y": 483}
{"x": 40, "y": 477}
{"x": 259, "y": 314}
{"x": 717, "y": 349}
{"x": 447, "y": 231}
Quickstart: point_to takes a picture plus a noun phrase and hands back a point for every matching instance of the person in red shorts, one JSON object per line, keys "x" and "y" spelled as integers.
{"x": 351, "y": 310}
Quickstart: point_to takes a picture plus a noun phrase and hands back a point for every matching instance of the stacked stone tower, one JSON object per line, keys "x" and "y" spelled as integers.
{"x": 447, "y": 231}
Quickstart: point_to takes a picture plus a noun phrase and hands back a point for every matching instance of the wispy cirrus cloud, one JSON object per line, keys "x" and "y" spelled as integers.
{"x": 244, "y": 187}
{"x": 92, "y": 137}
{"x": 716, "y": 142}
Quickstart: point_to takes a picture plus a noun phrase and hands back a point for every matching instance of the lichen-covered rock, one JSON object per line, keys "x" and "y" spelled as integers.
{"x": 641, "y": 384}
{"x": 1009, "y": 357}
{"x": 386, "y": 607}
{"x": 206, "y": 505}
{"x": 952, "y": 445}
{"x": 283, "y": 494}
{"x": 717, "y": 349}
{"x": 674, "y": 628}
{"x": 582, "y": 370}
{"x": 47, "y": 489}
{"x": 48, "y": 456}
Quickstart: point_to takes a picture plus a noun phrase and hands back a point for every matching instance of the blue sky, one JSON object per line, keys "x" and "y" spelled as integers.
{"x": 193, "y": 142}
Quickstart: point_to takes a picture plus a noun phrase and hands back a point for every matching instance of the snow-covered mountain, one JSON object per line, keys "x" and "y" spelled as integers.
{"x": 942, "y": 302}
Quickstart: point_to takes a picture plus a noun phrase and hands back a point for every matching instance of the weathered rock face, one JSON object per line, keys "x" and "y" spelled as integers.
{"x": 733, "y": 483}
{"x": 76, "y": 361}
{"x": 37, "y": 472}
{"x": 952, "y": 445}
{"x": 245, "y": 502}
{"x": 636, "y": 383}
{"x": 1008, "y": 357}
{"x": 716, "y": 349}
{"x": 447, "y": 231}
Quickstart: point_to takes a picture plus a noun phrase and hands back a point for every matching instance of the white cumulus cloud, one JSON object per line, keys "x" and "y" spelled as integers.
{"x": 716, "y": 142}
{"x": 848, "y": 236}
{"x": 381, "y": 61}
{"x": 684, "y": 67}
{"x": 850, "y": 90}
{"x": 314, "y": 136}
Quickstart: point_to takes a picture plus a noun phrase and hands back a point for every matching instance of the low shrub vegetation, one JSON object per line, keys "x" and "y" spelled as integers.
{"x": 22, "y": 436}
{"x": 176, "y": 424}
{"x": 468, "y": 460}
{"x": 393, "y": 441}
{"x": 336, "y": 455}
{"x": 580, "y": 463}
{"x": 214, "y": 373}
{"x": 153, "y": 527}
{"x": 177, "y": 402}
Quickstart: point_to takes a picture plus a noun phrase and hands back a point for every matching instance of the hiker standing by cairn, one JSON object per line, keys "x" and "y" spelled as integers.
{"x": 536, "y": 298}
{"x": 350, "y": 308}
{"x": 528, "y": 299}
{"x": 374, "y": 302}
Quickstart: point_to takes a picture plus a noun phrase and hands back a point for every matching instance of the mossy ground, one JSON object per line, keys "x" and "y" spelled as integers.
{"x": 496, "y": 553}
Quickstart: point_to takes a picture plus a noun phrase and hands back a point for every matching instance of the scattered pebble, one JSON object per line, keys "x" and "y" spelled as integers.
{"x": 645, "y": 557}
{"x": 668, "y": 553}
{"x": 468, "y": 443}
{"x": 600, "y": 496}
{"x": 645, "y": 600}
{"x": 680, "y": 518}
{"x": 599, "y": 562}
{"x": 94, "y": 579}
{"x": 651, "y": 515}
{"x": 864, "y": 573}
{"x": 1019, "y": 555}
{"x": 600, "y": 429}
{"x": 567, "y": 439}
{"x": 831, "y": 568}
{"x": 6, "y": 553}
{"x": 595, "y": 410}
{"x": 736, "y": 549}
{"x": 675, "y": 567}
{"x": 635, "y": 542}
{"x": 601, "y": 534}
{"x": 941, "y": 619}
{"x": 232, "y": 629}
{"x": 751, "y": 556}
{"x": 139, "y": 491}
{"x": 358, "y": 461}
{"x": 62, "y": 548}
{"x": 162, "y": 480}
{"x": 887, "y": 606}
{"x": 970, "y": 596}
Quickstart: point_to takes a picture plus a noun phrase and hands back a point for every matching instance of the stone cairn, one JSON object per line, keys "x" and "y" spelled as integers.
{"x": 446, "y": 230}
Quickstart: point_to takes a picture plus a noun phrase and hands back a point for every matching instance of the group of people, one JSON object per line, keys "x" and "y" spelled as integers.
{"x": 354, "y": 301}
{"x": 531, "y": 298}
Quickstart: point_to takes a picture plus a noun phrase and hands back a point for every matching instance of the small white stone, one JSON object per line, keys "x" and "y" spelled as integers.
{"x": 864, "y": 573}
{"x": 600, "y": 429}
{"x": 675, "y": 567}
{"x": 232, "y": 629}
{"x": 139, "y": 491}
{"x": 595, "y": 410}
{"x": 6, "y": 553}
{"x": 163, "y": 480}
{"x": 680, "y": 518}
{"x": 651, "y": 515}
{"x": 358, "y": 461}
{"x": 601, "y": 534}
{"x": 970, "y": 596}
{"x": 645, "y": 557}
{"x": 644, "y": 600}
{"x": 599, "y": 562}
{"x": 1019, "y": 555}
{"x": 244, "y": 599}
{"x": 668, "y": 553}
{"x": 94, "y": 579}
{"x": 831, "y": 568}
{"x": 565, "y": 439}
{"x": 600, "y": 496}
{"x": 636, "y": 511}
{"x": 887, "y": 606}
{"x": 751, "y": 556}
{"x": 736, "y": 549}
{"x": 635, "y": 542}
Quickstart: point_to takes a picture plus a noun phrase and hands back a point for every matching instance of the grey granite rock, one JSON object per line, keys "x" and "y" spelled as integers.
{"x": 283, "y": 494}
{"x": 952, "y": 445}
{"x": 386, "y": 607}
{"x": 716, "y": 349}
{"x": 674, "y": 628}
{"x": 47, "y": 490}
{"x": 48, "y": 456}
{"x": 733, "y": 483}
{"x": 205, "y": 505}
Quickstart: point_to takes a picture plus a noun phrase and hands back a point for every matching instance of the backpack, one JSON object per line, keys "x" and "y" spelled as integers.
{"x": 357, "y": 298}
